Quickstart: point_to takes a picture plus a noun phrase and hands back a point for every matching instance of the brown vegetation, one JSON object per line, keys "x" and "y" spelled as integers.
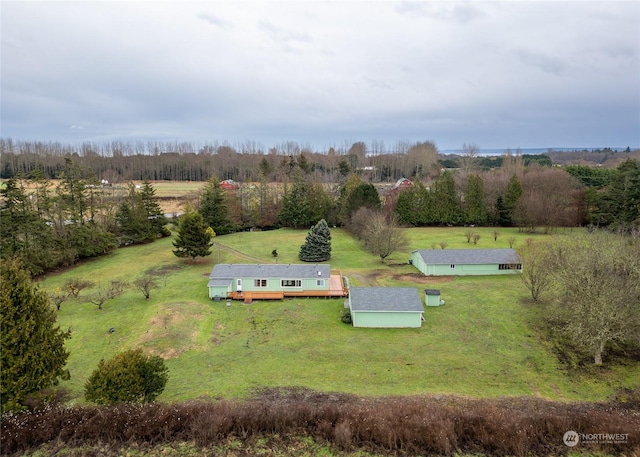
{"x": 390, "y": 425}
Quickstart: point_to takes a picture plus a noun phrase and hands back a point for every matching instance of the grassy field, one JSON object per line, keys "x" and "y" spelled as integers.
{"x": 479, "y": 344}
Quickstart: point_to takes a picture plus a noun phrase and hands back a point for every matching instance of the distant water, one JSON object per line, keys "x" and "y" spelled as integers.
{"x": 493, "y": 152}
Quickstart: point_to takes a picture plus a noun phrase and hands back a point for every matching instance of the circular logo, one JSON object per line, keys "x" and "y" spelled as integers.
{"x": 571, "y": 438}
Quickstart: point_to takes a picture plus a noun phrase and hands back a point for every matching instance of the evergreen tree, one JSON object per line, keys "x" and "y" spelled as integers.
{"x": 32, "y": 355}
{"x": 303, "y": 204}
{"x": 511, "y": 197}
{"x": 23, "y": 233}
{"x": 214, "y": 208}
{"x": 620, "y": 204}
{"x": 414, "y": 206}
{"x": 131, "y": 376}
{"x": 445, "y": 200}
{"x": 475, "y": 208}
{"x": 140, "y": 218}
{"x": 350, "y": 185}
{"x": 502, "y": 213}
{"x": 364, "y": 195}
{"x": 317, "y": 246}
{"x": 194, "y": 236}
{"x": 153, "y": 210}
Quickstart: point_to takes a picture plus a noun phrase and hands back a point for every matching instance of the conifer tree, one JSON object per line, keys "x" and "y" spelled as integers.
{"x": 32, "y": 352}
{"x": 153, "y": 210}
{"x": 194, "y": 236}
{"x": 317, "y": 246}
{"x": 214, "y": 208}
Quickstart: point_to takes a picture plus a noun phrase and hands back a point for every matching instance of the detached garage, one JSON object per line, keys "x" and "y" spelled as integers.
{"x": 465, "y": 262}
{"x": 385, "y": 307}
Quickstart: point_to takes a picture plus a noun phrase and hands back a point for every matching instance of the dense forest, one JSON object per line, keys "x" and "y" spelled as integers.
{"x": 84, "y": 213}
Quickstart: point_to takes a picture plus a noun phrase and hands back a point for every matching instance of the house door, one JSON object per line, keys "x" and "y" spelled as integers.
{"x": 239, "y": 285}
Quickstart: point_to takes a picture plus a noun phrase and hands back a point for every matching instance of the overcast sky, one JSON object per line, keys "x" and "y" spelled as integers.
{"x": 501, "y": 74}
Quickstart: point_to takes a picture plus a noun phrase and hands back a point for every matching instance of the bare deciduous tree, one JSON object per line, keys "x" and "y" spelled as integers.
{"x": 598, "y": 293}
{"x": 103, "y": 294}
{"x": 145, "y": 285}
{"x": 384, "y": 237}
{"x": 537, "y": 275}
{"x": 75, "y": 286}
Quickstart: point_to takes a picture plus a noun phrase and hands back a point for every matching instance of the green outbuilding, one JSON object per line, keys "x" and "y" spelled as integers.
{"x": 466, "y": 262}
{"x": 385, "y": 307}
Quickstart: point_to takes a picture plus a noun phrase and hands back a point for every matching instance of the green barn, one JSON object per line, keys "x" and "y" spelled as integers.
{"x": 274, "y": 281}
{"x": 385, "y": 307}
{"x": 465, "y": 262}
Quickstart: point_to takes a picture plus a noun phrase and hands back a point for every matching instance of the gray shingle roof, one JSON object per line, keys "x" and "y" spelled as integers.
{"x": 222, "y": 282}
{"x": 266, "y": 271}
{"x": 385, "y": 299}
{"x": 468, "y": 256}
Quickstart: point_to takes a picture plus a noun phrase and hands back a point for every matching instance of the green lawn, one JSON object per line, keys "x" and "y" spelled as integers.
{"x": 479, "y": 344}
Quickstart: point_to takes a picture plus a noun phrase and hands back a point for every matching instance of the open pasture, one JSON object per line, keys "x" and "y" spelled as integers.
{"x": 480, "y": 344}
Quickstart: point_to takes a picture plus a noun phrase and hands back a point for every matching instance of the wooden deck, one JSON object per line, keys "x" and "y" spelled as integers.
{"x": 336, "y": 289}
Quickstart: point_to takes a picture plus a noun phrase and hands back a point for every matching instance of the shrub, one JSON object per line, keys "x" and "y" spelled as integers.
{"x": 345, "y": 316}
{"x": 131, "y": 376}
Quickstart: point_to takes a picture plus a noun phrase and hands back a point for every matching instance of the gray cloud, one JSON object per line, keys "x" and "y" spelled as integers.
{"x": 498, "y": 74}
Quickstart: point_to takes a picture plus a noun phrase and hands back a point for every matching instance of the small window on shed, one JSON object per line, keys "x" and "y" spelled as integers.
{"x": 260, "y": 283}
{"x": 320, "y": 282}
{"x": 452, "y": 266}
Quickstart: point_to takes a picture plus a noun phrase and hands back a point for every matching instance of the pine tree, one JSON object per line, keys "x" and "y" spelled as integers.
{"x": 475, "y": 208}
{"x": 445, "y": 200}
{"x": 153, "y": 210}
{"x": 512, "y": 195}
{"x": 317, "y": 246}
{"x": 194, "y": 237}
{"x": 214, "y": 208}
{"x": 303, "y": 204}
{"x": 32, "y": 355}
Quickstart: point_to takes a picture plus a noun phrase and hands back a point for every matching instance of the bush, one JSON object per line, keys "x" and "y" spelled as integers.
{"x": 131, "y": 376}
{"x": 345, "y": 316}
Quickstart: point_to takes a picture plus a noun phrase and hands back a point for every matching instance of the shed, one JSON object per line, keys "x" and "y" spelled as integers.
{"x": 464, "y": 262}
{"x": 385, "y": 307}
{"x": 432, "y": 297}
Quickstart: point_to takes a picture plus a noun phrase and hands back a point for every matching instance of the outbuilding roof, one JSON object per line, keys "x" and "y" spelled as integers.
{"x": 219, "y": 282}
{"x": 291, "y": 270}
{"x": 398, "y": 299}
{"x": 468, "y": 256}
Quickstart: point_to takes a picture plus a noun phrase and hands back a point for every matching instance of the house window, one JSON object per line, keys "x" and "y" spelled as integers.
{"x": 510, "y": 266}
{"x": 452, "y": 266}
{"x": 260, "y": 282}
{"x": 291, "y": 283}
{"x": 320, "y": 282}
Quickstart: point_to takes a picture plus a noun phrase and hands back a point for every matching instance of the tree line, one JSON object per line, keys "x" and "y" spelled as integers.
{"x": 119, "y": 162}
{"x": 52, "y": 224}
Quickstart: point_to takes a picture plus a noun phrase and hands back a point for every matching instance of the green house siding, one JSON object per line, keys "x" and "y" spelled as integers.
{"x": 386, "y": 319}
{"x": 263, "y": 284}
{"x": 218, "y": 291}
